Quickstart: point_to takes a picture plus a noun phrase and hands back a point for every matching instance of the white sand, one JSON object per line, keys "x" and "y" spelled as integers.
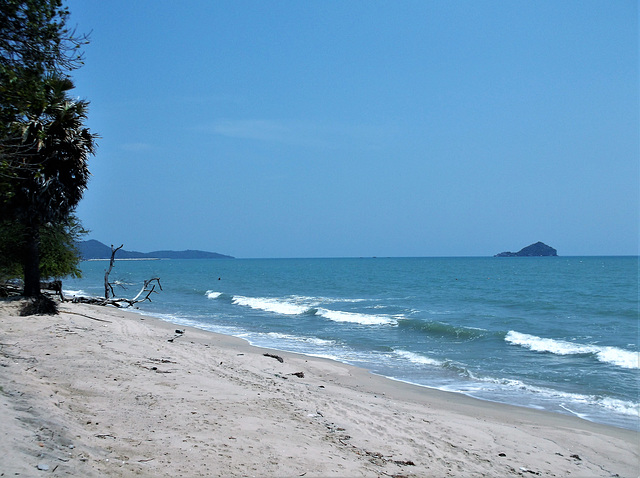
{"x": 85, "y": 397}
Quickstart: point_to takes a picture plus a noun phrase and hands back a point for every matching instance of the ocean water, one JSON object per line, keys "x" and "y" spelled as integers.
{"x": 552, "y": 333}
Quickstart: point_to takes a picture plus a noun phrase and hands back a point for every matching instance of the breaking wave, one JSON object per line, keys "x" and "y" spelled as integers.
{"x": 568, "y": 400}
{"x": 607, "y": 354}
{"x": 304, "y": 306}
{"x": 417, "y": 358}
{"x": 357, "y": 318}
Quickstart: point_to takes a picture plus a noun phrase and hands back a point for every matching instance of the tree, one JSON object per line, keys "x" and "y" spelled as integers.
{"x": 51, "y": 152}
{"x": 44, "y": 146}
{"x": 34, "y": 43}
{"x": 59, "y": 256}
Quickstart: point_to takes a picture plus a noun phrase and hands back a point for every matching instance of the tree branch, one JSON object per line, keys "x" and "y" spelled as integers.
{"x": 148, "y": 288}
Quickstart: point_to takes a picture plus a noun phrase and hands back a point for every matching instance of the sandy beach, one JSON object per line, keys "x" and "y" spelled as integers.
{"x": 98, "y": 391}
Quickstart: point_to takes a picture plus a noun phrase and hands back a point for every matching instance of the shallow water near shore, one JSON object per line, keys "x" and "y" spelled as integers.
{"x": 554, "y": 333}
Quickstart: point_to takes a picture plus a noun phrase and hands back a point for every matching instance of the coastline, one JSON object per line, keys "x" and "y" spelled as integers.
{"x": 101, "y": 391}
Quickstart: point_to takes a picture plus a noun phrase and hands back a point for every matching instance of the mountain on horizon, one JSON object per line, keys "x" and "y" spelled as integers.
{"x": 93, "y": 249}
{"x": 539, "y": 249}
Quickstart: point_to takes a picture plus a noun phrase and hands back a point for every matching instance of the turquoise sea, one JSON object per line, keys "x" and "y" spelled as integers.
{"x": 553, "y": 333}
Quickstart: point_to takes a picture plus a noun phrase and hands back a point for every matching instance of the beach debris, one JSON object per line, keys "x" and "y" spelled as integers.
{"x": 277, "y": 357}
{"x": 526, "y": 470}
{"x": 148, "y": 288}
{"x": 404, "y": 462}
{"x": 298, "y": 374}
{"x": 576, "y": 457}
{"x": 108, "y": 287}
{"x": 179, "y": 333}
{"x": 43, "y": 467}
{"x": 87, "y": 316}
{"x": 153, "y": 367}
{"x": 379, "y": 458}
{"x": 162, "y": 371}
{"x": 161, "y": 360}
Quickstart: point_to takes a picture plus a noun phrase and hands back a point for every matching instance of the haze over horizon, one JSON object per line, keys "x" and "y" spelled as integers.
{"x": 353, "y": 129}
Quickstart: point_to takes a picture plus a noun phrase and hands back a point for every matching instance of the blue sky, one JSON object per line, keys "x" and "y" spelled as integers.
{"x": 362, "y": 128}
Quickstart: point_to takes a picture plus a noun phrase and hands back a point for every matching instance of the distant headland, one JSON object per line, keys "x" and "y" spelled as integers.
{"x": 93, "y": 249}
{"x": 539, "y": 249}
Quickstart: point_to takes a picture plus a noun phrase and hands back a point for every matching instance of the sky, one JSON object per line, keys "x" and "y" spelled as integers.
{"x": 268, "y": 129}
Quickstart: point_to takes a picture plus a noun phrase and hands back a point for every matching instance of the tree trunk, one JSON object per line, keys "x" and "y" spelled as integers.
{"x": 32, "y": 262}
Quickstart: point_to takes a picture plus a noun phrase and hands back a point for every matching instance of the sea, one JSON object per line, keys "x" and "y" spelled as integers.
{"x": 551, "y": 333}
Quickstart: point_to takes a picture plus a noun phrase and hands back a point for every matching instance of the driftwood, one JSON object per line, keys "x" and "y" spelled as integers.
{"x": 107, "y": 285}
{"x": 55, "y": 286}
{"x": 87, "y": 316}
{"x": 148, "y": 288}
{"x": 14, "y": 288}
{"x": 277, "y": 357}
{"x": 9, "y": 289}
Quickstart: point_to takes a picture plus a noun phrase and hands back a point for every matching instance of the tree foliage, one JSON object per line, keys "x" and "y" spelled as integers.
{"x": 49, "y": 149}
{"x": 59, "y": 255}
{"x": 34, "y": 43}
{"x": 44, "y": 145}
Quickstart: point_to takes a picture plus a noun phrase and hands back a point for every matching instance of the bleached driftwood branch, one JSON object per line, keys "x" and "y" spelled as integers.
{"x": 107, "y": 285}
{"x": 148, "y": 288}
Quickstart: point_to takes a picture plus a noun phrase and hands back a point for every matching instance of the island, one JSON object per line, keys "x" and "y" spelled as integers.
{"x": 92, "y": 250}
{"x": 539, "y": 249}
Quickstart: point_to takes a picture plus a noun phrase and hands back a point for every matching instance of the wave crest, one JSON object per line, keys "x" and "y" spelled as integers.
{"x": 357, "y": 318}
{"x": 297, "y": 305}
{"x": 417, "y": 358}
{"x": 270, "y": 305}
{"x": 607, "y": 354}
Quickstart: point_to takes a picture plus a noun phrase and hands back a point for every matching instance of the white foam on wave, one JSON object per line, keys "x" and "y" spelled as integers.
{"x": 416, "y": 358}
{"x": 75, "y": 293}
{"x": 326, "y": 300}
{"x": 612, "y": 355}
{"x": 357, "y": 318}
{"x": 619, "y": 357}
{"x": 295, "y": 307}
{"x": 297, "y": 338}
{"x": 298, "y": 305}
{"x": 270, "y": 305}
{"x": 610, "y": 404}
{"x": 621, "y": 406}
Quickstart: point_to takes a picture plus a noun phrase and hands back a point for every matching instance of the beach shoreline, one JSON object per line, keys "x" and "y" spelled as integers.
{"x": 98, "y": 391}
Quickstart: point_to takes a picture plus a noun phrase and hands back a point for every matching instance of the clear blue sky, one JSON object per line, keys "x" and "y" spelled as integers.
{"x": 362, "y": 128}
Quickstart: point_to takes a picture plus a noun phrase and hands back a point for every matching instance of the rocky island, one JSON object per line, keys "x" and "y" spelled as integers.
{"x": 92, "y": 249}
{"x": 539, "y": 249}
